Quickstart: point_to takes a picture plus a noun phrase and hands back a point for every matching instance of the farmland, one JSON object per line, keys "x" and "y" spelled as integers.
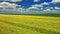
{"x": 29, "y": 24}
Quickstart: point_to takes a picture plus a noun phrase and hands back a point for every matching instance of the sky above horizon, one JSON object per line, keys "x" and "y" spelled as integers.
{"x": 29, "y": 5}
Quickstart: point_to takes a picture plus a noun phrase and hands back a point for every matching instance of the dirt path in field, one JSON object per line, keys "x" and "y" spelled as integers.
{"x": 31, "y": 28}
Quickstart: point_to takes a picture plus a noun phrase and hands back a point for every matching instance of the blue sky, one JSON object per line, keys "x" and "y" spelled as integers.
{"x": 29, "y": 5}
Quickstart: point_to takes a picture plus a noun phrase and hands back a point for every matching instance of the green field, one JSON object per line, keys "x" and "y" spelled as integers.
{"x": 29, "y": 24}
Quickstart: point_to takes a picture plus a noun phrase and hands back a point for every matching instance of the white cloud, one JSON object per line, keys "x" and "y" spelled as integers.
{"x": 12, "y": 0}
{"x": 19, "y": 9}
{"x": 34, "y": 7}
{"x": 45, "y": 3}
{"x": 56, "y": 1}
{"x": 47, "y": 10}
{"x": 7, "y": 5}
{"x": 36, "y": 0}
{"x": 16, "y": 0}
{"x": 31, "y": 8}
{"x": 57, "y": 7}
{"x": 37, "y": 5}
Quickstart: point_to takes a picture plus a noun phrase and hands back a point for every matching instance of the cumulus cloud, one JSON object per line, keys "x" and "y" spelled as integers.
{"x": 37, "y": 6}
{"x": 56, "y": 1}
{"x": 47, "y": 10}
{"x": 57, "y": 7}
{"x": 36, "y": 0}
{"x": 7, "y": 5}
{"x": 12, "y": 0}
{"x": 16, "y": 0}
{"x": 45, "y": 3}
{"x": 19, "y": 9}
{"x": 34, "y": 7}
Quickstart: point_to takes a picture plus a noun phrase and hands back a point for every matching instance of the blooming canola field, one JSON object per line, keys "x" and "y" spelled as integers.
{"x": 29, "y": 24}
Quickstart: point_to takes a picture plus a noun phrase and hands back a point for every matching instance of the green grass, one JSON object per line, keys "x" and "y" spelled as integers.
{"x": 29, "y": 24}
